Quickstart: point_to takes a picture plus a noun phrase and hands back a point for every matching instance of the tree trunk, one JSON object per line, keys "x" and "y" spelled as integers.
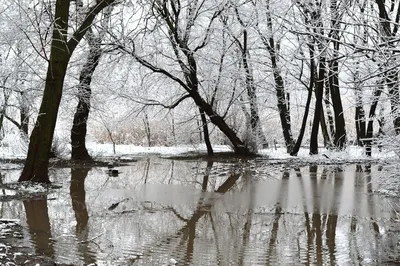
{"x": 391, "y": 71}
{"x": 296, "y": 147}
{"x": 318, "y": 107}
{"x": 327, "y": 102}
{"x": 206, "y": 133}
{"x": 252, "y": 95}
{"x": 79, "y": 126}
{"x": 359, "y": 112}
{"x": 339, "y": 137}
{"x": 24, "y": 115}
{"x": 284, "y": 113}
{"x": 324, "y": 129}
{"x": 238, "y": 145}
{"x": 3, "y": 111}
{"x": 370, "y": 127}
{"x": 188, "y": 65}
{"x": 360, "y": 123}
{"x": 192, "y": 84}
{"x": 359, "y": 106}
{"x": 147, "y": 129}
{"x": 340, "y": 129}
{"x": 173, "y": 127}
{"x": 37, "y": 161}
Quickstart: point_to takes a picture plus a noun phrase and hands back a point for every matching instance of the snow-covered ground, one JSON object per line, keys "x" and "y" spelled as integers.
{"x": 351, "y": 153}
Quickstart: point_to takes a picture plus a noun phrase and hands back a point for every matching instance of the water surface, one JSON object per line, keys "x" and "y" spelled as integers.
{"x": 204, "y": 213}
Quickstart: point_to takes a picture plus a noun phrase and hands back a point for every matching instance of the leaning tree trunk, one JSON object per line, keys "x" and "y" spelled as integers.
{"x": 37, "y": 161}
{"x": 192, "y": 88}
{"x": 79, "y": 126}
{"x": 284, "y": 112}
{"x": 187, "y": 61}
{"x": 297, "y": 145}
{"x": 238, "y": 145}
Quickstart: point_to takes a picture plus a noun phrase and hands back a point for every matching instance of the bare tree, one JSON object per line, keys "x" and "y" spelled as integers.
{"x": 176, "y": 21}
{"x": 339, "y": 133}
{"x": 389, "y": 27}
{"x": 249, "y": 80}
{"x": 36, "y": 165}
{"x": 282, "y": 102}
{"x": 79, "y": 126}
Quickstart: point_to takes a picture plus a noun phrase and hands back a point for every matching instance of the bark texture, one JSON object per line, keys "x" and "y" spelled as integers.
{"x": 79, "y": 126}
{"x": 318, "y": 107}
{"x": 37, "y": 161}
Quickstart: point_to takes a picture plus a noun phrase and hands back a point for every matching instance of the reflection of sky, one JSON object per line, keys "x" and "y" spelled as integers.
{"x": 326, "y": 216}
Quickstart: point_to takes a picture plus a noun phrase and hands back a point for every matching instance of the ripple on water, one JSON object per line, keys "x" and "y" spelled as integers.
{"x": 305, "y": 216}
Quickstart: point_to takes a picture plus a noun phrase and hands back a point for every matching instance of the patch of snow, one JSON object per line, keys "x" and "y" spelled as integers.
{"x": 172, "y": 261}
{"x": 10, "y": 166}
{"x": 16, "y": 254}
{"x": 97, "y": 149}
{"x": 32, "y": 187}
{"x": 351, "y": 153}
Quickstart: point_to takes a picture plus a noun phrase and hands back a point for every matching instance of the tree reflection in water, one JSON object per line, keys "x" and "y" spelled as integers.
{"x": 188, "y": 232}
{"x": 37, "y": 218}
{"x": 313, "y": 215}
{"x": 78, "y": 198}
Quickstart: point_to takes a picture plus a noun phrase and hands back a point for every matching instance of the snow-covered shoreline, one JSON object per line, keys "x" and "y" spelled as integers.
{"x": 351, "y": 153}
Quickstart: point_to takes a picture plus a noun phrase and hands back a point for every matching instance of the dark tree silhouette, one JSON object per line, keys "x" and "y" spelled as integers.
{"x": 37, "y": 161}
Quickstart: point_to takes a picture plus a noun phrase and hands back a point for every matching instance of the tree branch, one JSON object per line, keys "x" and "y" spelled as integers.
{"x": 87, "y": 22}
{"x": 153, "y": 68}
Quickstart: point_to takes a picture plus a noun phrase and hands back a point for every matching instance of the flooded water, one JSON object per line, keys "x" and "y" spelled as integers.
{"x": 163, "y": 212}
